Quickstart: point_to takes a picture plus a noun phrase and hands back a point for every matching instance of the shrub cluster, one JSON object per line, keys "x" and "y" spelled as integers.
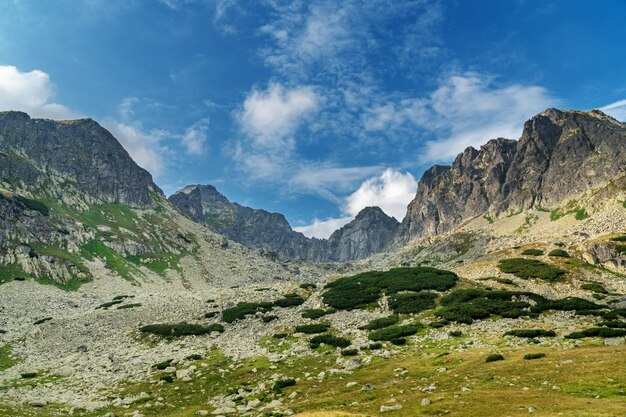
{"x": 308, "y": 286}
{"x": 619, "y": 238}
{"x": 358, "y": 291}
{"x": 45, "y": 319}
{"x": 595, "y": 287}
{"x": 395, "y": 332}
{"x": 33, "y": 205}
{"x": 268, "y": 318}
{"x": 531, "y": 333}
{"x": 399, "y": 341}
{"x": 163, "y": 365}
{"x": 381, "y": 323}
{"x": 210, "y": 314}
{"x": 530, "y": 268}
{"x": 597, "y": 332}
{"x": 530, "y": 356}
{"x": 614, "y": 324}
{"x": 244, "y": 309}
{"x": 413, "y": 302}
{"x": 28, "y": 375}
{"x": 132, "y": 305}
{"x": 329, "y": 339}
{"x": 283, "y": 383}
{"x": 349, "y": 352}
{"x": 532, "y": 252}
{"x": 110, "y": 303}
{"x": 290, "y": 300}
{"x": 312, "y": 328}
{"x": 560, "y": 253}
{"x": 181, "y": 329}
{"x": 494, "y": 357}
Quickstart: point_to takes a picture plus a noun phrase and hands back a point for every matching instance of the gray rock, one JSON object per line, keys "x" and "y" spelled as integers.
{"x": 387, "y": 408}
{"x": 425, "y": 402}
{"x": 615, "y": 341}
{"x": 38, "y": 403}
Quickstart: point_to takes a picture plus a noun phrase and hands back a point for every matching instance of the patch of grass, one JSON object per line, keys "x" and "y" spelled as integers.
{"x": 312, "y": 328}
{"x": 531, "y": 333}
{"x": 45, "y": 319}
{"x": 283, "y": 383}
{"x": 34, "y": 205}
{"x": 531, "y": 356}
{"x": 494, "y": 357}
{"x": 406, "y": 303}
{"x": 570, "y": 208}
{"x": 605, "y": 332}
{"x": 243, "y": 309}
{"x": 558, "y": 253}
{"x": 381, "y": 323}
{"x": 488, "y": 218}
{"x": 530, "y": 268}
{"x": 358, "y": 291}
{"x": 595, "y": 287}
{"x": 10, "y": 272}
{"x": 113, "y": 260}
{"x": 7, "y": 359}
{"x": 181, "y": 329}
{"x": 395, "y": 332}
{"x": 317, "y": 313}
{"x": 329, "y": 339}
{"x": 532, "y": 252}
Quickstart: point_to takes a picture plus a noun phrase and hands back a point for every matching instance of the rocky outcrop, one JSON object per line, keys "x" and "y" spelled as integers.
{"x": 51, "y": 157}
{"x": 370, "y": 232}
{"x": 606, "y": 255}
{"x": 560, "y": 155}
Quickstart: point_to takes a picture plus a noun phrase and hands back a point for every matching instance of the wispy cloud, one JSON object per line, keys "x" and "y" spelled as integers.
{"x": 195, "y": 137}
{"x": 617, "y": 110}
{"x": 322, "y": 229}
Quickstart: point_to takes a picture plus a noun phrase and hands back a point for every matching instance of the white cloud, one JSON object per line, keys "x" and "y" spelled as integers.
{"x": 271, "y": 116}
{"x": 391, "y": 191}
{"x": 616, "y": 110}
{"x": 195, "y": 136}
{"x": 125, "y": 108}
{"x": 31, "y": 92}
{"x": 322, "y": 229}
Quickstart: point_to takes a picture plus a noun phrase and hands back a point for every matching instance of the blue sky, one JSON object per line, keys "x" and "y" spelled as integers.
{"x": 314, "y": 109}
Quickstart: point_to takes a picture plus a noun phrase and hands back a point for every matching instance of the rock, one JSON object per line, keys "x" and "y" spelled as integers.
{"x": 387, "y": 408}
{"x": 351, "y": 384}
{"x": 65, "y": 371}
{"x": 254, "y": 403}
{"x": 425, "y": 402}
{"x": 367, "y": 387}
{"x": 614, "y": 341}
{"x": 224, "y": 410}
{"x": 352, "y": 363}
{"x": 274, "y": 404}
{"x": 38, "y": 403}
{"x": 202, "y": 413}
{"x": 532, "y": 410}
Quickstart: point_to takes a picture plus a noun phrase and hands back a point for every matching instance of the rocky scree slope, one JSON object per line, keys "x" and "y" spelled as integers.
{"x": 74, "y": 205}
{"x": 560, "y": 155}
{"x": 370, "y": 232}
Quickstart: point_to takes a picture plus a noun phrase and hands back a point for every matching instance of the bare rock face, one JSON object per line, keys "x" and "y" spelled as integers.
{"x": 370, "y": 232}
{"x": 560, "y": 155}
{"x": 607, "y": 255}
{"x": 58, "y": 156}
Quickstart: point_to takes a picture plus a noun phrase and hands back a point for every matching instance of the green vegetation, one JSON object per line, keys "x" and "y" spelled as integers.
{"x": 28, "y": 375}
{"x": 109, "y": 304}
{"x": 619, "y": 238}
{"x": 531, "y": 333}
{"x": 268, "y": 318}
{"x": 181, "y": 329}
{"x": 558, "y": 253}
{"x": 530, "y": 268}
{"x": 494, "y": 357}
{"x": 32, "y": 205}
{"x": 45, "y": 319}
{"x": 456, "y": 333}
{"x": 308, "y": 286}
{"x": 614, "y": 324}
{"x": 329, "y": 339}
{"x": 488, "y": 218}
{"x": 122, "y": 297}
{"x": 569, "y": 304}
{"x": 381, "y": 323}
{"x": 7, "y": 360}
{"x": 312, "y": 328}
{"x": 163, "y": 365}
{"x": 349, "y": 352}
{"x": 317, "y": 313}
{"x": 375, "y": 346}
{"x": 358, "y": 291}
{"x": 595, "y": 287}
{"x": 283, "y": 383}
{"x": 532, "y": 252}
{"x": 10, "y": 272}
{"x": 132, "y": 305}
{"x": 399, "y": 341}
{"x": 243, "y": 309}
{"x": 210, "y": 314}
{"x": 405, "y": 303}
{"x": 290, "y": 300}
{"x": 395, "y": 332}
{"x": 597, "y": 332}
{"x": 194, "y": 357}
{"x": 530, "y": 356}
{"x": 570, "y": 208}
{"x": 114, "y": 261}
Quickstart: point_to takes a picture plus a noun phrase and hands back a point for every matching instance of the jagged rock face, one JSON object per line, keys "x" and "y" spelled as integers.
{"x": 38, "y": 154}
{"x": 370, "y": 232}
{"x": 560, "y": 155}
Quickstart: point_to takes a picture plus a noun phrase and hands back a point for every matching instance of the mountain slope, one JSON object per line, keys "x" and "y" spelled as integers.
{"x": 560, "y": 156}
{"x": 370, "y": 232}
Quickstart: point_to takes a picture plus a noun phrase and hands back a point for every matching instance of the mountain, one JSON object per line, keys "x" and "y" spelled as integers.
{"x": 74, "y": 205}
{"x": 370, "y": 232}
{"x": 560, "y": 156}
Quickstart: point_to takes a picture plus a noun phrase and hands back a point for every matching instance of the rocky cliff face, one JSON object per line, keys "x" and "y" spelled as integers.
{"x": 560, "y": 155}
{"x": 370, "y": 232}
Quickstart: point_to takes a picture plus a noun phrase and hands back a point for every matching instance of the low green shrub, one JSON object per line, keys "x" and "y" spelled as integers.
{"x": 280, "y": 335}
{"x": 290, "y": 300}
{"x": 243, "y": 309}
{"x": 19, "y": 279}
{"x": 268, "y": 318}
{"x": 381, "y": 323}
{"x": 181, "y": 329}
{"x": 308, "y": 286}
{"x": 494, "y": 357}
{"x": 283, "y": 383}
{"x": 530, "y": 356}
{"x": 194, "y": 357}
{"x": 395, "y": 332}
{"x": 28, "y": 375}
{"x": 210, "y": 314}
{"x": 531, "y": 333}
{"x": 619, "y": 238}
{"x": 530, "y": 268}
{"x": 456, "y": 333}
{"x": 329, "y": 339}
{"x": 399, "y": 341}
{"x": 121, "y": 297}
{"x": 163, "y": 365}
{"x": 569, "y": 304}
{"x": 532, "y": 252}
{"x": 560, "y": 253}
{"x": 317, "y": 313}
{"x": 597, "y": 332}
{"x": 614, "y": 324}
{"x": 45, "y": 319}
{"x": 349, "y": 352}
{"x": 439, "y": 324}
{"x": 595, "y": 287}
{"x": 312, "y": 328}
{"x": 615, "y": 314}
{"x": 415, "y": 302}
{"x": 358, "y": 291}
{"x": 132, "y": 305}
{"x": 167, "y": 378}
{"x": 33, "y": 205}
{"x": 375, "y": 346}
{"x": 110, "y": 304}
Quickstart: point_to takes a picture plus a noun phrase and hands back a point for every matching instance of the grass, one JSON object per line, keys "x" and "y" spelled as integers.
{"x": 360, "y": 290}
{"x": 570, "y": 208}
{"x": 531, "y": 333}
{"x": 532, "y": 252}
{"x": 558, "y": 253}
{"x": 113, "y": 260}
{"x": 8, "y": 273}
{"x": 595, "y": 287}
{"x": 530, "y": 268}
{"x": 7, "y": 359}
{"x": 181, "y": 329}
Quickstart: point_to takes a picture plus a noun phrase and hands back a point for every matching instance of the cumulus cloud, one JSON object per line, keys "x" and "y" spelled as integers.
{"x": 195, "y": 137}
{"x": 270, "y": 117}
{"x": 391, "y": 191}
{"x": 617, "y": 110}
{"x": 31, "y": 92}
